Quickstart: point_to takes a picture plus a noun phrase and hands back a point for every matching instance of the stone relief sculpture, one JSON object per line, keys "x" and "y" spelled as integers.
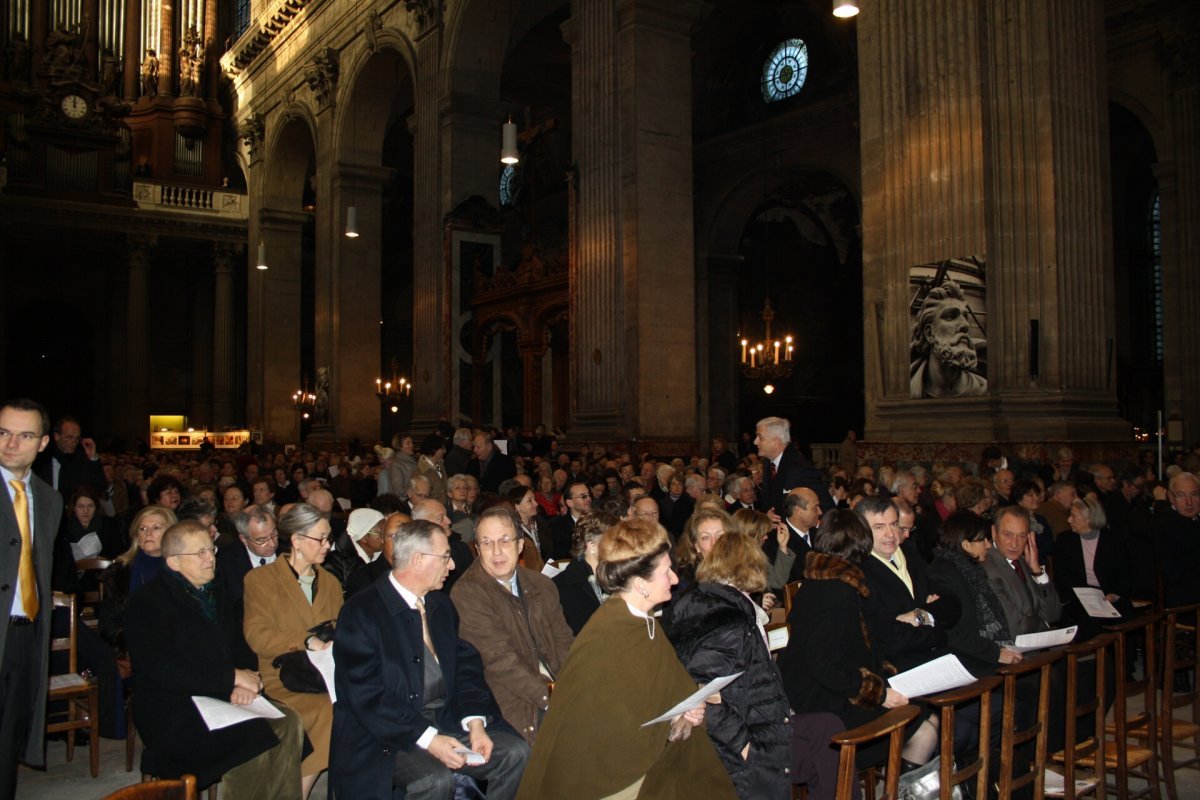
{"x": 321, "y": 406}
{"x": 947, "y": 330}
{"x": 191, "y": 65}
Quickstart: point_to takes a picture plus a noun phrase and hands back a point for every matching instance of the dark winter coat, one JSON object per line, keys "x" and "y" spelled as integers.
{"x": 829, "y": 664}
{"x": 715, "y": 634}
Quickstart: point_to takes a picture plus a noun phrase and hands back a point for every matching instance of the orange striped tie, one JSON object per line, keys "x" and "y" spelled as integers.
{"x": 25, "y": 573}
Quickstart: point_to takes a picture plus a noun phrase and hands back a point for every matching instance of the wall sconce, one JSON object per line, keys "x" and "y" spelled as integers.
{"x": 844, "y": 9}
{"x": 508, "y": 143}
{"x": 262, "y": 256}
{"x": 352, "y": 222}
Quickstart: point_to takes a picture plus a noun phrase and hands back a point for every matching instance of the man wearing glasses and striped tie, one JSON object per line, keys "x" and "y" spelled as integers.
{"x": 29, "y": 513}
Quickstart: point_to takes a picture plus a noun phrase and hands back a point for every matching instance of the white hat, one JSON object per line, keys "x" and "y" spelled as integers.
{"x": 361, "y": 521}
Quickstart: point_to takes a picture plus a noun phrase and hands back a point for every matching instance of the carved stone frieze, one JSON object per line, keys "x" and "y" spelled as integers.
{"x": 425, "y": 12}
{"x": 251, "y": 131}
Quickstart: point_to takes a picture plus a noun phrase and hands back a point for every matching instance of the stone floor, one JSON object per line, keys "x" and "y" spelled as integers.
{"x": 72, "y": 781}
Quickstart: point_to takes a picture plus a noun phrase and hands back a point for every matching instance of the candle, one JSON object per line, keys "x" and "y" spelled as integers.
{"x": 752, "y": 353}
{"x": 744, "y": 343}
{"x": 776, "y": 352}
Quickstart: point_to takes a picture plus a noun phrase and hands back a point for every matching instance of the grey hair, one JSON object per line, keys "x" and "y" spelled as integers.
{"x": 902, "y": 480}
{"x": 1013, "y": 510}
{"x": 412, "y": 538}
{"x": 694, "y": 481}
{"x": 412, "y": 482}
{"x": 462, "y": 436}
{"x": 1093, "y": 511}
{"x": 299, "y": 519}
{"x": 454, "y": 481}
{"x": 719, "y": 471}
{"x": 734, "y": 485}
{"x": 1179, "y": 476}
{"x": 248, "y": 515}
{"x": 777, "y": 427}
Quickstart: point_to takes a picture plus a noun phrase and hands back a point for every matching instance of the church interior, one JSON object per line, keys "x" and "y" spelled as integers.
{"x": 208, "y": 207}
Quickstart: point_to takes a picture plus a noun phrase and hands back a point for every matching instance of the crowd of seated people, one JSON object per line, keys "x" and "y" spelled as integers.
{"x": 665, "y": 572}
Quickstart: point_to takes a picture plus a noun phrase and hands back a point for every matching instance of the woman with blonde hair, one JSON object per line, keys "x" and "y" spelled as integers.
{"x": 132, "y": 570}
{"x": 284, "y": 602}
{"x": 718, "y": 630}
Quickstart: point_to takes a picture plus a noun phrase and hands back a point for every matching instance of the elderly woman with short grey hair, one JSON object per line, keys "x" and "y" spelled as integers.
{"x": 284, "y": 600}
{"x": 1094, "y": 555}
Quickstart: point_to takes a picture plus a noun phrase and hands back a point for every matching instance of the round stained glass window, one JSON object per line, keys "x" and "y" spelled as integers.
{"x": 786, "y": 68}
{"x": 506, "y": 185}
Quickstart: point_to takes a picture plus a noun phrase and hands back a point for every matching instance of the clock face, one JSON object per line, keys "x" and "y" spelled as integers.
{"x": 785, "y": 70}
{"x": 74, "y": 106}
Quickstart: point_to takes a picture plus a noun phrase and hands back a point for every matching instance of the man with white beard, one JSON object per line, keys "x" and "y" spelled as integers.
{"x": 943, "y": 354}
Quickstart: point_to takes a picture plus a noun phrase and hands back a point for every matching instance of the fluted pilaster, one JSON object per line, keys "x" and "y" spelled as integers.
{"x": 223, "y": 377}
{"x": 137, "y": 332}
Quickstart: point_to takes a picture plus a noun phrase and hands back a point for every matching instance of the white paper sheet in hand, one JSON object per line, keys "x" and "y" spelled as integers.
{"x": 550, "y": 569}
{"x": 939, "y": 675}
{"x": 1040, "y": 641}
{"x": 1094, "y": 603}
{"x": 219, "y": 714}
{"x": 695, "y": 699}
{"x": 323, "y": 661}
{"x": 473, "y": 758}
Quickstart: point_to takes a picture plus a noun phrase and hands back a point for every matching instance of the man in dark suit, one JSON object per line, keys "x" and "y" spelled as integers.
{"x": 578, "y": 501}
{"x": 411, "y": 692}
{"x": 490, "y": 466}
{"x": 185, "y": 639}
{"x": 30, "y": 511}
{"x": 256, "y": 546}
{"x": 681, "y": 510}
{"x": 908, "y": 623}
{"x": 1017, "y": 575}
{"x": 801, "y": 518}
{"x": 71, "y": 460}
{"x": 1177, "y": 538}
{"x": 784, "y": 468}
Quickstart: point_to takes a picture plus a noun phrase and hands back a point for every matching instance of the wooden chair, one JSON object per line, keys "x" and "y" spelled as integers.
{"x": 1121, "y": 756}
{"x": 211, "y": 794}
{"x": 91, "y": 599}
{"x": 1180, "y": 655}
{"x": 789, "y": 594}
{"x": 892, "y": 725}
{"x": 1095, "y": 649}
{"x": 81, "y": 696}
{"x": 1011, "y": 738}
{"x": 948, "y": 776}
{"x": 182, "y": 789}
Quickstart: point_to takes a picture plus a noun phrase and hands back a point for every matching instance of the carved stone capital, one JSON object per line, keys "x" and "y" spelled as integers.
{"x": 425, "y": 12}
{"x": 371, "y": 29}
{"x": 251, "y": 131}
{"x": 321, "y": 75}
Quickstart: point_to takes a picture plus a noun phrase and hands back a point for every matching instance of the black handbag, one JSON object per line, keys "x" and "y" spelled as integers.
{"x": 296, "y": 672}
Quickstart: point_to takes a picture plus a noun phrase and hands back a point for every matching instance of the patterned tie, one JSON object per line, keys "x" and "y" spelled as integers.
{"x": 25, "y": 571}
{"x": 1020, "y": 572}
{"x": 425, "y": 627}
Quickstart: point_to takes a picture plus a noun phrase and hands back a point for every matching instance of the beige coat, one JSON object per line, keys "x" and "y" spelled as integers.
{"x": 277, "y": 619}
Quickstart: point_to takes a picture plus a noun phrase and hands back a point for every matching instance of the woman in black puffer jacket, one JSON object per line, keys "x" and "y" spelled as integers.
{"x": 717, "y": 630}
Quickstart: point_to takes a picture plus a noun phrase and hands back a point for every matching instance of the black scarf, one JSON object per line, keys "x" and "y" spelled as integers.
{"x": 993, "y": 625}
{"x": 203, "y": 595}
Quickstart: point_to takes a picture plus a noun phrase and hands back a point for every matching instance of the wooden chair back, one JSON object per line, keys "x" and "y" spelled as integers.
{"x": 1181, "y": 660}
{"x": 182, "y": 789}
{"x": 1011, "y": 738}
{"x": 81, "y": 696}
{"x": 949, "y": 777}
{"x": 93, "y": 567}
{"x": 1124, "y": 759}
{"x": 892, "y": 725}
{"x": 789, "y": 595}
{"x": 1078, "y": 655}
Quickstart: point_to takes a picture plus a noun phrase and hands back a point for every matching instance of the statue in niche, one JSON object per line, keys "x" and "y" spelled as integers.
{"x": 18, "y": 59}
{"x": 191, "y": 64}
{"x": 321, "y": 406}
{"x": 150, "y": 74}
{"x": 110, "y": 78}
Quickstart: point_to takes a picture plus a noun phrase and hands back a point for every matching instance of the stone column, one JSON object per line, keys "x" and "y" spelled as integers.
{"x": 167, "y": 56}
{"x": 632, "y": 283}
{"x": 357, "y": 315}
{"x": 38, "y": 20}
{"x": 223, "y": 365}
{"x": 987, "y": 148}
{"x": 132, "y": 57}
{"x": 137, "y": 341}
{"x": 1179, "y": 193}
{"x": 273, "y": 327}
{"x": 432, "y": 354}
{"x": 470, "y": 147}
{"x": 200, "y": 409}
{"x": 718, "y": 359}
{"x": 212, "y": 55}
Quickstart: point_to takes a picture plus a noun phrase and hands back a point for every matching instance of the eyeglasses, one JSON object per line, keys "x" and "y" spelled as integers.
{"x": 503, "y": 541}
{"x": 442, "y": 556}
{"x": 646, "y": 515}
{"x": 275, "y": 535}
{"x": 203, "y": 552}
{"x": 579, "y": 497}
{"x": 322, "y": 540}
{"x": 25, "y": 437}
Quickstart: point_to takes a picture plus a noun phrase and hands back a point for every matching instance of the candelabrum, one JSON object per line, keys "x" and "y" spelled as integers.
{"x": 392, "y": 393}
{"x": 770, "y": 358}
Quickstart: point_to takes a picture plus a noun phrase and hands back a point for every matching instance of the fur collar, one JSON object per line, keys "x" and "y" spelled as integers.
{"x": 825, "y": 567}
